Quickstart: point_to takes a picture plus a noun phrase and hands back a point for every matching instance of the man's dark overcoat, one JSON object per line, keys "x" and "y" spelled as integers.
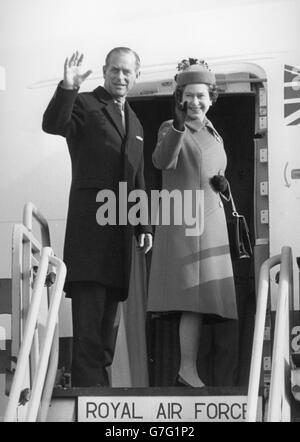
{"x": 101, "y": 157}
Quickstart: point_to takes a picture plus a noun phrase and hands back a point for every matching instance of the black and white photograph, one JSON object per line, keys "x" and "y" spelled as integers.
{"x": 149, "y": 213}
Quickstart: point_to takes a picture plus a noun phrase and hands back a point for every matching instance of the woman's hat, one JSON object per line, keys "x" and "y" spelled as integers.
{"x": 194, "y": 71}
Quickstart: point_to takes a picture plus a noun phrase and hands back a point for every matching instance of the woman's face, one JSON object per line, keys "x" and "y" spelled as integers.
{"x": 198, "y": 100}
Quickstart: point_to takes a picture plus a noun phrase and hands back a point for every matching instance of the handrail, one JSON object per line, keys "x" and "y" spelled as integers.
{"x": 50, "y": 376}
{"x": 26, "y": 250}
{"x": 51, "y": 327}
{"x": 21, "y": 278}
{"x": 262, "y": 298}
{"x": 279, "y": 409}
{"x": 258, "y": 338}
{"x": 30, "y": 211}
{"x": 26, "y": 254}
{"x": 46, "y": 259}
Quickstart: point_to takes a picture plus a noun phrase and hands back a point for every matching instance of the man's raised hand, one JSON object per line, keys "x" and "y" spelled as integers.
{"x": 73, "y": 76}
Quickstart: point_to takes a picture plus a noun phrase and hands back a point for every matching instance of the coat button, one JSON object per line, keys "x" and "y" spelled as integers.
{"x": 221, "y": 204}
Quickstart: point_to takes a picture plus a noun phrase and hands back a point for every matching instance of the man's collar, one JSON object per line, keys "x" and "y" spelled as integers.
{"x": 105, "y": 96}
{"x": 120, "y": 103}
{"x": 102, "y": 94}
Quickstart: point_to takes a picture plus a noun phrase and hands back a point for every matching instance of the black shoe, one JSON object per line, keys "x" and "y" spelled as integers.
{"x": 180, "y": 382}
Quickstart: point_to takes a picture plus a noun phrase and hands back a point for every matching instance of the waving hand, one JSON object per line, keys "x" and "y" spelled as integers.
{"x": 180, "y": 111}
{"x": 73, "y": 76}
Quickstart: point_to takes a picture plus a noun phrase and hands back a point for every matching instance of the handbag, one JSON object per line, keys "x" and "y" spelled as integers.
{"x": 238, "y": 233}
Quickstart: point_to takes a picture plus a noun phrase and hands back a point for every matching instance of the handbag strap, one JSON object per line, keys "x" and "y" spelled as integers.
{"x": 234, "y": 211}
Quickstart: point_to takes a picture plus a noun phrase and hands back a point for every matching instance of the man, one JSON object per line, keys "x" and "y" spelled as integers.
{"x": 105, "y": 141}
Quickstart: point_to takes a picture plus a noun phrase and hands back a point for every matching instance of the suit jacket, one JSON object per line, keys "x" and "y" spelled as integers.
{"x": 101, "y": 156}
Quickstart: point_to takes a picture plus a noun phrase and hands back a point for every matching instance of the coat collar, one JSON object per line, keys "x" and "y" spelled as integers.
{"x": 196, "y": 126}
{"x": 110, "y": 108}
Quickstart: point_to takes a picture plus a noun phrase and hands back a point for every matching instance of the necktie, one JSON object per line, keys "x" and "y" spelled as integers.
{"x": 120, "y": 106}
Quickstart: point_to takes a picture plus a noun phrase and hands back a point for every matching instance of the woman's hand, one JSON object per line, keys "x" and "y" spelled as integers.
{"x": 73, "y": 77}
{"x": 180, "y": 111}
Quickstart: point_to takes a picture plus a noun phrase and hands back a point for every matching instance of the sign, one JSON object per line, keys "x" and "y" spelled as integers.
{"x": 164, "y": 409}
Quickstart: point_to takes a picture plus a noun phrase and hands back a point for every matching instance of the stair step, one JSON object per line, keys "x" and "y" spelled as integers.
{"x": 155, "y": 404}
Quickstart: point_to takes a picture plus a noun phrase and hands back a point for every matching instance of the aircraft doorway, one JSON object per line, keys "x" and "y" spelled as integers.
{"x": 233, "y": 115}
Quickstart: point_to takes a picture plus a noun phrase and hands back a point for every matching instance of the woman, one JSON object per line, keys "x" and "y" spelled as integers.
{"x": 192, "y": 273}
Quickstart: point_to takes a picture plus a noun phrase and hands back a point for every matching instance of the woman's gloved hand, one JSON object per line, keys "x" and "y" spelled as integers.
{"x": 219, "y": 183}
{"x": 179, "y": 110}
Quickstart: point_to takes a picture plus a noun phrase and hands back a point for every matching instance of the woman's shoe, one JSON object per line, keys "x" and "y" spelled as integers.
{"x": 180, "y": 382}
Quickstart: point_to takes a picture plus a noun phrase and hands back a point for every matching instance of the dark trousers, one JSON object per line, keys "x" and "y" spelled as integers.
{"x": 94, "y": 310}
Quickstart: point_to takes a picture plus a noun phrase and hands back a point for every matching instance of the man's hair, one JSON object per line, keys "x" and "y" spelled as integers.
{"x": 123, "y": 50}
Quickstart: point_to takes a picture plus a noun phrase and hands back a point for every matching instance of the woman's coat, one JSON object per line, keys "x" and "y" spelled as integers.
{"x": 191, "y": 270}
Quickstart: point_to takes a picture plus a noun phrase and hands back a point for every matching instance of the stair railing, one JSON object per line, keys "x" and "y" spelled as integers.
{"x": 280, "y": 386}
{"x": 26, "y": 259}
{"x": 31, "y": 212}
{"x": 284, "y": 259}
{"x": 28, "y": 338}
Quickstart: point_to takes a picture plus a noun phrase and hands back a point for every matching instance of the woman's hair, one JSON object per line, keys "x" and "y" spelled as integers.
{"x": 212, "y": 90}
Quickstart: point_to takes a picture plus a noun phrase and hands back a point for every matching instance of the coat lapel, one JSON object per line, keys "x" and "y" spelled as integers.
{"x": 113, "y": 114}
{"x": 131, "y": 132}
{"x": 130, "y": 122}
{"x": 128, "y": 146}
{"x": 110, "y": 109}
{"x": 197, "y": 125}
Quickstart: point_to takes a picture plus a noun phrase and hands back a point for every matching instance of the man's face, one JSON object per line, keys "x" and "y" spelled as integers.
{"x": 120, "y": 74}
